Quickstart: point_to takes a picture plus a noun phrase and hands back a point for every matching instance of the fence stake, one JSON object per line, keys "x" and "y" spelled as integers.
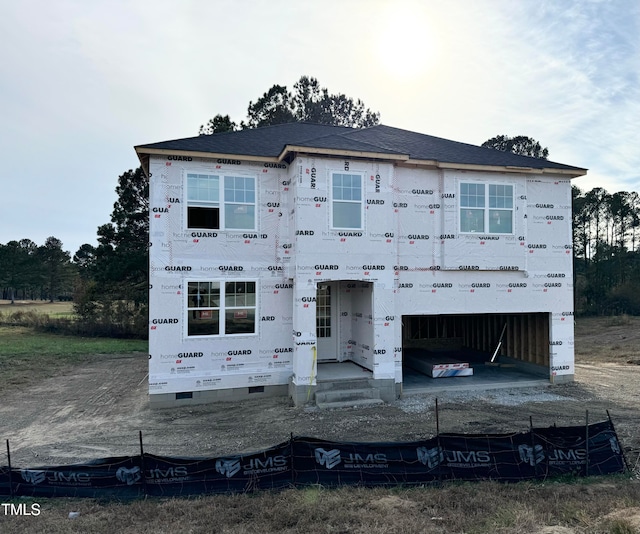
{"x": 293, "y": 474}
{"x": 624, "y": 458}
{"x": 533, "y": 448}
{"x": 586, "y": 428}
{"x": 438, "y": 435}
{"x": 144, "y": 471}
{"x": 10, "y": 474}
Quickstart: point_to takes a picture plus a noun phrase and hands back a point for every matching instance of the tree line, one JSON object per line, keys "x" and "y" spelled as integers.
{"x": 108, "y": 283}
{"x": 606, "y": 259}
{"x": 606, "y": 240}
{"x": 35, "y": 272}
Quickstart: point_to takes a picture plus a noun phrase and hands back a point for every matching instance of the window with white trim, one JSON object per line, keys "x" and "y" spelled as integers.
{"x": 486, "y": 208}
{"x": 221, "y": 308}
{"x": 346, "y": 201}
{"x": 236, "y": 211}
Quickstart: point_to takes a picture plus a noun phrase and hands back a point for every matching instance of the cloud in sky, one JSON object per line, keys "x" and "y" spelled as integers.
{"x": 83, "y": 82}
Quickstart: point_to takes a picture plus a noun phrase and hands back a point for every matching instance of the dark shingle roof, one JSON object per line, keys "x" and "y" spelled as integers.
{"x": 271, "y": 140}
{"x": 268, "y": 141}
{"x": 347, "y": 142}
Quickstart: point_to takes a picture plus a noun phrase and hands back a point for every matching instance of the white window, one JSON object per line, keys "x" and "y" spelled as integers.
{"x": 239, "y": 203}
{"x": 221, "y": 308}
{"x": 346, "y": 201}
{"x": 486, "y": 208}
{"x": 237, "y": 211}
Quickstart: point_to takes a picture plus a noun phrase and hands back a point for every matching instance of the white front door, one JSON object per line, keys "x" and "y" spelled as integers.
{"x": 326, "y": 321}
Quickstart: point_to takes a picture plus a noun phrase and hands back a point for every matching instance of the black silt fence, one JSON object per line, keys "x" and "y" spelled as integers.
{"x": 116, "y": 477}
{"x": 267, "y": 469}
{"x": 538, "y": 454}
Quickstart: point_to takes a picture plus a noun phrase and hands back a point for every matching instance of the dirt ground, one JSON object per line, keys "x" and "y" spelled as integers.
{"x": 97, "y": 410}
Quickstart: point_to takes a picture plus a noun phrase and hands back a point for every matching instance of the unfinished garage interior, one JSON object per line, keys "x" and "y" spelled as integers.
{"x": 463, "y": 350}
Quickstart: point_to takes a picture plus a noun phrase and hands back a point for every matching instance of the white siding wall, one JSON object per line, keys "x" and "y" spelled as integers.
{"x": 181, "y": 363}
{"x": 410, "y": 250}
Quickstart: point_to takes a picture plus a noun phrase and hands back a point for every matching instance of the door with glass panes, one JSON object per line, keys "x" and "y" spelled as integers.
{"x": 326, "y": 321}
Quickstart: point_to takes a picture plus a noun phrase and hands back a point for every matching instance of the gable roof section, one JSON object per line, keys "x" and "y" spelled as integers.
{"x": 427, "y": 147}
{"x": 383, "y": 142}
{"x": 258, "y": 142}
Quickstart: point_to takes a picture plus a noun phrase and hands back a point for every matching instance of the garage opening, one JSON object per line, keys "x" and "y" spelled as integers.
{"x": 444, "y": 349}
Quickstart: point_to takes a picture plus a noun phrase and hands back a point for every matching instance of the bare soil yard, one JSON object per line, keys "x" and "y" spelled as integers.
{"x": 97, "y": 408}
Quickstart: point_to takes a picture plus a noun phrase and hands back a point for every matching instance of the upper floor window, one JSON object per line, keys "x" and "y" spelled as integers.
{"x": 236, "y": 211}
{"x": 486, "y": 208}
{"x": 239, "y": 202}
{"x": 346, "y": 199}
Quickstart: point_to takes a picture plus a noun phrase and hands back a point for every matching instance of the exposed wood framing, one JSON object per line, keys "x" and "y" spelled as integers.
{"x": 526, "y": 337}
{"x": 342, "y": 153}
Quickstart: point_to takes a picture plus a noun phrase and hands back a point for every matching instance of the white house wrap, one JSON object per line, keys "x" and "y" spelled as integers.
{"x": 275, "y": 249}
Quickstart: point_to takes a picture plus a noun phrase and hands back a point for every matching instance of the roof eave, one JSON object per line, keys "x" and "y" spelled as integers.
{"x": 289, "y": 149}
{"x": 144, "y": 153}
{"x": 200, "y": 154}
{"x": 401, "y": 159}
{"x": 571, "y": 173}
{"x": 144, "y": 161}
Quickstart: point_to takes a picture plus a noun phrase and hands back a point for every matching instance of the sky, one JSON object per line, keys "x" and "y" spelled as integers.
{"x": 83, "y": 82}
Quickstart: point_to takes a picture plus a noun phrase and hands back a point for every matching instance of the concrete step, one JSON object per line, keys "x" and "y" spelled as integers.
{"x": 352, "y": 383}
{"x": 346, "y": 395}
{"x": 356, "y": 403}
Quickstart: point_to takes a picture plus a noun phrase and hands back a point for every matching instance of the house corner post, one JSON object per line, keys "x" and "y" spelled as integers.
{"x": 302, "y": 386}
{"x": 385, "y": 339}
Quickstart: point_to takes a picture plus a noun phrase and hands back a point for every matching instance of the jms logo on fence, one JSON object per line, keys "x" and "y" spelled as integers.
{"x": 531, "y": 455}
{"x": 334, "y": 457}
{"x": 365, "y": 461}
{"x": 328, "y": 459}
{"x": 228, "y": 467}
{"x": 129, "y": 476}
{"x": 467, "y": 458}
{"x": 231, "y": 466}
{"x": 33, "y": 477}
{"x": 613, "y": 443}
{"x": 167, "y": 476}
{"x": 270, "y": 464}
{"x": 567, "y": 456}
{"x": 431, "y": 457}
{"x": 56, "y": 478}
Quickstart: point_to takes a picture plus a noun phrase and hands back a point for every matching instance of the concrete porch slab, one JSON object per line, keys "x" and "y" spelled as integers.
{"x": 332, "y": 371}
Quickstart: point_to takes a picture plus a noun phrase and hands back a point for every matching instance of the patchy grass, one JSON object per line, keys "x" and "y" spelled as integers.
{"x": 485, "y": 507}
{"x": 59, "y": 318}
{"x": 607, "y": 339}
{"x": 20, "y": 340}
{"x": 27, "y": 356}
{"x": 52, "y": 309}
{"x": 618, "y": 320}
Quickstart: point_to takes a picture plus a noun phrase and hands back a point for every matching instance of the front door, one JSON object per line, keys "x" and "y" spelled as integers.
{"x": 326, "y": 321}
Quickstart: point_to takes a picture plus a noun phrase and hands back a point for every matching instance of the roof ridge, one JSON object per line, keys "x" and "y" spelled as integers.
{"x": 269, "y": 141}
{"x": 464, "y": 143}
{"x": 348, "y": 135}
